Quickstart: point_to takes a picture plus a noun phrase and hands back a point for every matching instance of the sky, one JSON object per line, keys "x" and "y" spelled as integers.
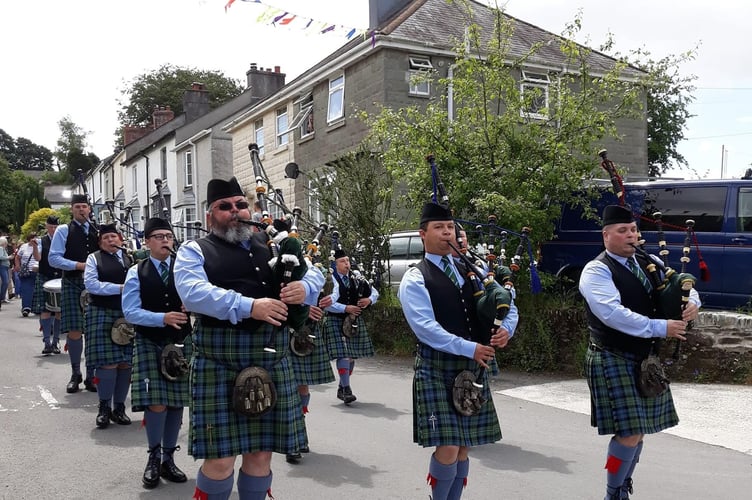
{"x": 74, "y": 57}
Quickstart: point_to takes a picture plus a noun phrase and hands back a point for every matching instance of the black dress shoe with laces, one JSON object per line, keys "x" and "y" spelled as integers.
{"x": 347, "y": 395}
{"x": 47, "y": 350}
{"x": 305, "y": 449}
{"x": 75, "y": 380}
{"x": 293, "y": 458}
{"x": 150, "y": 478}
{"x": 55, "y": 348}
{"x": 104, "y": 415}
{"x": 89, "y": 385}
{"x": 118, "y": 415}
{"x": 170, "y": 471}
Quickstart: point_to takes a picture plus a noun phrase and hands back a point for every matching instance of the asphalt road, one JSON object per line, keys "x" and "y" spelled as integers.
{"x": 50, "y": 447}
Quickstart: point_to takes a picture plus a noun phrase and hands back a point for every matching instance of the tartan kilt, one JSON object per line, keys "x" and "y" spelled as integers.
{"x": 99, "y": 348}
{"x": 315, "y": 368}
{"x": 616, "y": 406}
{"x": 339, "y": 346}
{"x": 216, "y": 430}
{"x": 160, "y": 391}
{"x": 38, "y": 299}
{"x": 435, "y": 420}
{"x": 72, "y": 319}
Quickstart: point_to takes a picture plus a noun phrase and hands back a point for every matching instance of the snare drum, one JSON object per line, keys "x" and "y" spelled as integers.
{"x": 53, "y": 294}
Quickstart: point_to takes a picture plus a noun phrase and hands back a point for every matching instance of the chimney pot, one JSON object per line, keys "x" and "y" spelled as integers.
{"x": 277, "y": 69}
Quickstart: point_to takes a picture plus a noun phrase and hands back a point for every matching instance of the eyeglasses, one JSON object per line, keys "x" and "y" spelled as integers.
{"x": 162, "y": 237}
{"x": 227, "y": 206}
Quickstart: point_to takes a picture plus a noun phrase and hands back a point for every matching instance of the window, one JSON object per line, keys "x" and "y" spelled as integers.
{"x": 190, "y": 220}
{"x": 282, "y": 128}
{"x": 303, "y": 120}
{"x": 534, "y": 95}
{"x": 418, "y": 76}
{"x": 163, "y": 163}
{"x": 336, "y": 109}
{"x": 259, "y": 128}
{"x": 315, "y": 212}
{"x": 134, "y": 179}
{"x": 275, "y": 201}
{"x": 744, "y": 209}
{"x": 704, "y": 205}
{"x": 136, "y": 216}
{"x": 188, "y": 158}
{"x": 106, "y": 191}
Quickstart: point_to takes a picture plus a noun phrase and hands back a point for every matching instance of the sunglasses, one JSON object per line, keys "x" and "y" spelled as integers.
{"x": 226, "y": 206}
{"x": 162, "y": 237}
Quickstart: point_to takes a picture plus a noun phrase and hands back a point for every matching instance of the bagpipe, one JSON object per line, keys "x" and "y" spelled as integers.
{"x": 671, "y": 289}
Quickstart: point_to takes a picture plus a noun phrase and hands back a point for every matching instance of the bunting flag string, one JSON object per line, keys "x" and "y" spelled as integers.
{"x": 274, "y": 16}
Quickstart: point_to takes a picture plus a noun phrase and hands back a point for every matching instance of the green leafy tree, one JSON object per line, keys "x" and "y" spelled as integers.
{"x": 35, "y": 222}
{"x": 19, "y": 196}
{"x": 166, "y": 87}
{"x": 22, "y": 154}
{"x": 71, "y": 152}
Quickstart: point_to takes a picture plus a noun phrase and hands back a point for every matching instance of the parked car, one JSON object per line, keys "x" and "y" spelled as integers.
{"x": 405, "y": 250}
{"x": 722, "y": 214}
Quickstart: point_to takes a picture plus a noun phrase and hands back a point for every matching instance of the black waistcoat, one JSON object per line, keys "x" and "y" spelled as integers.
{"x": 230, "y": 266}
{"x": 110, "y": 269}
{"x": 453, "y": 308}
{"x": 158, "y": 297}
{"x": 635, "y": 298}
{"x": 348, "y": 294}
{"x": 78, "y": 245}
{"x": 45, "y": 269}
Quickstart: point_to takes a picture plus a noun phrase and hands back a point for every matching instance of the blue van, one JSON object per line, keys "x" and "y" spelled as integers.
{"x": 721, "y": 209}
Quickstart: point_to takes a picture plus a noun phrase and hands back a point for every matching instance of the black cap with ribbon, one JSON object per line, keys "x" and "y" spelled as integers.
{"x": 434, "y": 212}
{"x": 339, "y": 253}
{"x": 108, "y": 228}
{"x": 220, "y": 188}
{"x": 79, "y": 198}
{"x": 617, "y": 214}
{"x": 156, "y": 223}
{"x": 52, "y": 220}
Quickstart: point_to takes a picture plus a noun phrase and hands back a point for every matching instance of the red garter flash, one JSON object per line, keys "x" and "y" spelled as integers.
{"x": 65, "y": 347}
{"x": 431, "y": 480}
{"x": 342, "y": 371}
{"x": 95, "y": 380}
{"x": 305, "y": 410}
{"x": 200, "y": 495}
{"x": 143, "y": 422}
{"x": 269, "y": 492}
{"x": 613, "y": 464}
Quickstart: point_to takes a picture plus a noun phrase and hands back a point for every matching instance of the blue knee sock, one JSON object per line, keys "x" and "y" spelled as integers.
{"x": 441, "y": 477}
{"x": 46, "y": 329}
{"x": 343, "y": 368}
{"x": 55, "y": 330}
{"x": 172, "y": 427}
{"x": 155, "y": 426}
{"x": 214, "y": 489}
{"x": 122, "y": 384}
{"x": 352, "y": 366}
{"x": 106, "y": 385}
{"x": 75, "y": 348}
{"x": 253, "y": 487}
{"x": 460, "y": 480}
{"x": 636, "y": 459}
{"x": 618, "y": 463}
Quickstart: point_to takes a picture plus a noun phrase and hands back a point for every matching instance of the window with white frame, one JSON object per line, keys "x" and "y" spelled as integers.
{"x": 190, "y": 220}
{"x": 336, "y": 108}
{"x": 282, "y": 128}
{"x": 258, "y": 127}
{"x": 136, "y": 216}
{"x": 106, "y": 190}
{"x": 275, "y": 201}
{"x": 315, "y": 212}
{"x": 534, "y": 94}
{"x": 134, "y": 179}
{"x": 418, "y": 75}
{"x": 303, "y": 119}
{"x": 188, "y": 168}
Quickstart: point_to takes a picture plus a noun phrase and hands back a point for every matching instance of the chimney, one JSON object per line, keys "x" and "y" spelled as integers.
{"x": 131, "y": 133}
{"x": 379, "y": 11}
{"x": 162, "y": 115}
{"x": 195, "y": 102}
{"x": 264, "y": 82}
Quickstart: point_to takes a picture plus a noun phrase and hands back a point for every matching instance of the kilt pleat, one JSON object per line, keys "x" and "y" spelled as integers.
{"x": 315, "y": 368}
{"x": 99, "y": 348}
{"x": 72, "y": 319}
{"x": 435, "y": 421}
{"x": 216, "y": 430}
{"x": 616, "y": 406}
{"x": 339, "y": 346}
{"x": 149, "y": 386}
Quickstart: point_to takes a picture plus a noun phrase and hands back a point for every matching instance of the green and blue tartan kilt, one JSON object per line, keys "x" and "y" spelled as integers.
{"x": 146, "y": 371}
{"x": 216, "y": 430}
{"x": 339, "y": 346}
{"x": 39, "y": 299}
{"x": 99, "y": 348}
{"x": 435, "y": 420}
{"x": 315, "y": 368}
{"x": 616, "y": 405}
{"x": 72, "y": 319}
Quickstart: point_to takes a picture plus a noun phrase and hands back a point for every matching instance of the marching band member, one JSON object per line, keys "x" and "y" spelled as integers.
{"x": 346, "y": 301}
{"x": 50, "y": 322}
{"x": 438, "y": 305}
{"x": 69, "y": 249}
{"x": 26, "y": 264}
{"x": 151, "y": 302}
{"x": 226, "y": 280}
{"x": 109, "y": 350}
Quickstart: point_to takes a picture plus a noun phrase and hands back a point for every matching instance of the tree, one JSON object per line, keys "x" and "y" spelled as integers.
{"x": 495, "y": 156}
{"x": 71, "y": 149}
{"x": 36, "y": 220}
{"x": 19, "y": 196}
{"x": 166, "y": 87}
{"x": 22, "y": 154}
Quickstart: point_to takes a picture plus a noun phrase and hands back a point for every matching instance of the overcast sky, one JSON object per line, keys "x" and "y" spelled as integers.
{"x": 73, "y": 57}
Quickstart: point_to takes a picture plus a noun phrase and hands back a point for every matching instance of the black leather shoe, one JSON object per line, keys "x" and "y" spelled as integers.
{"x": 347, "y": 395}
{"x": 118, "y": 415}
{"x": 293, "y": 458}
{"x": 89, "y": 385}
{"x": 170, "y": 471}
{"x": 151, "y": 473}
{"x": 305, "y": 449}
{"x": 55, "y": 348}
{"x": 47, "y": 350}
{"x": 72, "y": 386}
{"x": 104, "y": 415}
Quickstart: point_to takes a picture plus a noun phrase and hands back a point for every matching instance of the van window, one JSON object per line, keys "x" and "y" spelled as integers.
{"x": 705, "y": 205}
{"x": 398, "y": 248}
{"x": 416, "y": 247}
{"x": 744, "y": 208}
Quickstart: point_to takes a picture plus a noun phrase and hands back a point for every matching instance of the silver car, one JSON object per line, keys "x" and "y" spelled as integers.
{"x": 405, "y": 250}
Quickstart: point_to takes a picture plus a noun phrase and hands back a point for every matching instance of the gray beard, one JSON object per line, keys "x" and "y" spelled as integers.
{"x": 234, "y": 235}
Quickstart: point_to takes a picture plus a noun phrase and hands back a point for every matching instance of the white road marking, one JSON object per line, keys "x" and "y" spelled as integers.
{"x": 49, "y": 398}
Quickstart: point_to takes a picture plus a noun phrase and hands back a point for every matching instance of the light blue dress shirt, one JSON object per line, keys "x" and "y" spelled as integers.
{"x": 416, "y": 304}
{"x": 599, "y": 291}
{"x": 200, "y": 296}
{"x": 91, "y": 277}
{"x": 132, "y": 308}
{"x": 57, "y": 248}
{"x": 338, "y": 308}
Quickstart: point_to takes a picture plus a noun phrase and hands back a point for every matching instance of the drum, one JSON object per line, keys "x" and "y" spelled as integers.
{"x": 53, "y": 293}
